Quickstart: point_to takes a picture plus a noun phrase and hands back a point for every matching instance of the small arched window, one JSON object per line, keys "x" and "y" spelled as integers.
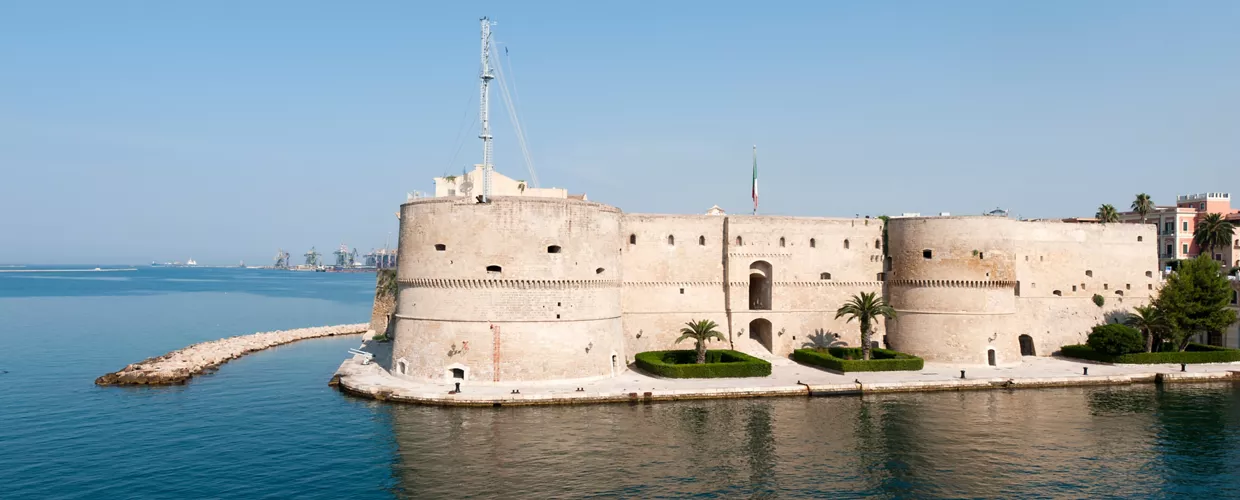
{"x": 494, "y": 269}
{"x": 553, "y": 249}
{"x": 812, "y": 243}
{"x": 632, "y": 239}
{"x": 739, "y": 241}
{"x": 599, "y": 271}
{"x": 878, "y": 244}
{"x": 845, "y": 244}
{"x": 1140, "y": 238}
{"x": 781, "y": 241}
{"x": 824, "y": 276}
{"x": 1119, "y": 292}
{"x": 671, "y": 240}
{"x": 1150, "y": 274}
{"x": 1057, "y": 293}
{"x": 701, "y": 240}
{"x": 439, "y": 247}
{"x": 1089, "y": 273}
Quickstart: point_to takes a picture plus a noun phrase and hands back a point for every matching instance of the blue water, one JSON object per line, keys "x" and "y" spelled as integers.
{"x": 267, "y": 425}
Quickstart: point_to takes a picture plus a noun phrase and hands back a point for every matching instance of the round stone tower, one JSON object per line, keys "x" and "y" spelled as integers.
{"x": 952, "y": 281}
{"x": 517, "y": 289}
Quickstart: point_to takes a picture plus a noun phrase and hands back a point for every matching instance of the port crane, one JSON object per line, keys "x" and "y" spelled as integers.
{"x": 281, "y": 259}
{"x": 345, "y": 257}
{"x": 312, "y": 257}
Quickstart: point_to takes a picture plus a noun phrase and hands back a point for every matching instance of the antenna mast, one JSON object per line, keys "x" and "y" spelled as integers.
{"x": 486, "y": 78}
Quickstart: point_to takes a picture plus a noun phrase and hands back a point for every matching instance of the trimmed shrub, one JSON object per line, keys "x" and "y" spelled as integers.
{"x": 1195, "y": 353}
{"x": 719, "y": 364}
{"x": 1099, "y": 300}
{"x": 1115, "y": 339}
{"x": 848, "y": 359}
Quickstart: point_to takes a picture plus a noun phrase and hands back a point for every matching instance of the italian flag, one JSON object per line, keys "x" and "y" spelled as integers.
{"x": 755, "y": 179}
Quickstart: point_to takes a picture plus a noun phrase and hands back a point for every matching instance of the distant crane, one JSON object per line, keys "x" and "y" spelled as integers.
{"x": 281, "y": 259}
{"x": 312, "y": 258}
{"x": 344, "y": 257}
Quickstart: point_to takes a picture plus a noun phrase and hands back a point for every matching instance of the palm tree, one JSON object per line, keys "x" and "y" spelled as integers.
{"x": 1151, "y": 321}
{"x": 1143, "y": 205}
{"x": 1106, "y": 213}
{"x": 700, "y": 331}
{"x": 1213, "y": 232}
{"x": 865, "y": 308}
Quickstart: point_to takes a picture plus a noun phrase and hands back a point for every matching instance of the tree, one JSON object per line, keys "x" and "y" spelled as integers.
{"x": 1213, "y": 232}
{"x": 1143, "y": 205}
{"x": 1106, "y": 213}
{"x": 700, "y": 331}
{"x": 1195, "y": 300}
{"x": 865, "y": 308}
{"x": 1114, "y": 339}
{"x": 1151, "y": 322}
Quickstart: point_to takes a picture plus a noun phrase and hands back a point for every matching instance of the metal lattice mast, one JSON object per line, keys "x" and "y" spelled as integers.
{"x": 484, "y": 103}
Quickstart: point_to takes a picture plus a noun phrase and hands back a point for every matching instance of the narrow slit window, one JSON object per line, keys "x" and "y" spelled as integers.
{"x": 781, "y": 241}
{"x": 439, "y": 247}
{"x": 671, "y": 240}
{"x": 632, "y": 239}
{"x": 812, "y": 243}
{"x": 701, "y": 240}
{"x": 494, "y": 269}
{"x": 845, "y": 244}
{"x": 824, "y": 276}
{"x": 553, "y": 249}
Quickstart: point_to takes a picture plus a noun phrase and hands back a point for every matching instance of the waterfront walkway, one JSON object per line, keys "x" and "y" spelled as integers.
{"x": 787, "y": 378}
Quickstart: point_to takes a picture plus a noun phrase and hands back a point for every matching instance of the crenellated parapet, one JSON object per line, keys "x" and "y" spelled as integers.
{"x": 515, "y": 284}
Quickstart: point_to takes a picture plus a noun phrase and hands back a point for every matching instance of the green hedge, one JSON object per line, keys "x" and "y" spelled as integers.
{"x": 719, "y": 364}
{"x": 1196, "y": 353}
{"x": 837, "y": 358}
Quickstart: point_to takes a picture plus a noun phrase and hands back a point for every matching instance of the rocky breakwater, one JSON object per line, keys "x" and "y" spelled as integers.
{"x": 183, "y": 364}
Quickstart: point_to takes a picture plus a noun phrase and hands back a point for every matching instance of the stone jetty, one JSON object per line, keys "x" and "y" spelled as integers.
{"x": 180, "y": 365}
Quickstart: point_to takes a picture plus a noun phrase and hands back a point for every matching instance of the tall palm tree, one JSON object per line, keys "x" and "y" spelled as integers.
{"x": 1143, "y": 205}
{"x": 1213, "y": 232}
{"x": 865, "y": 308}
{"x": 1106, "y": 213}
{"x": 1151, "y": 321}
{"x": 700, "y": 331}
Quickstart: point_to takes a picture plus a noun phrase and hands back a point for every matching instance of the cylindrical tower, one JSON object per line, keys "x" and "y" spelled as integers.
{"x": 952, "y": 282}
{"x": 516, "y": 289}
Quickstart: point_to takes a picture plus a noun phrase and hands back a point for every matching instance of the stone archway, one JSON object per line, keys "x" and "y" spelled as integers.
{"x": 1026, "y": 346}
{"x": 761, "y": 278}
{"x": 760, "y": 330}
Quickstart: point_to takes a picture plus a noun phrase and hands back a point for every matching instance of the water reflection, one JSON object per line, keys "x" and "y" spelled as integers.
{"x": 1130, "y": 441}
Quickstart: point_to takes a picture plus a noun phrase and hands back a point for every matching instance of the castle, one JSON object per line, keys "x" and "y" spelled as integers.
{"x": 544, "y": 285}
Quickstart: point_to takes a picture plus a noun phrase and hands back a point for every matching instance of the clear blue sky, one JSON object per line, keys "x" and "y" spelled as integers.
{"x": 139, "y": 131}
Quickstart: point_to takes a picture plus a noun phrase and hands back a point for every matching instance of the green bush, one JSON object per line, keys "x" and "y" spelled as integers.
{"x": 1195, "y": 353}
{"x": 1115, "y": 339}
{"x": 1099, "y": 300}
{"x": 719, "y": 364}
{"x": 848, "y": 359}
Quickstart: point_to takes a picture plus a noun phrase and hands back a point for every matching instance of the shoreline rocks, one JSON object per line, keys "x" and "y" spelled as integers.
{"x": 179, "y": 366}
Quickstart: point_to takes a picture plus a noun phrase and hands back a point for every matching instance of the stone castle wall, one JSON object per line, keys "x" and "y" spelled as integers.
{"x": 580, "y": 287}
{"x": 963, "y": 286}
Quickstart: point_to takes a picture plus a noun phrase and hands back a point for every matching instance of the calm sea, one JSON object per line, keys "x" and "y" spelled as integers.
{"x": 267, "y": 425}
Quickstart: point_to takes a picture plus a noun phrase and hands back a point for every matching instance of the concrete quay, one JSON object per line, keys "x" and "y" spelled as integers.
{"x": 180, "y": 365}
{"x": 787, "y": 379}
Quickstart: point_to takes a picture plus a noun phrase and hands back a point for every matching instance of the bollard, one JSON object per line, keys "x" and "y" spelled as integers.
{"x": 1086, "y": 368}
{"x": 961, "y": 373}
{"x": 1182, "y": 367}
{"x": 458, "y": 387}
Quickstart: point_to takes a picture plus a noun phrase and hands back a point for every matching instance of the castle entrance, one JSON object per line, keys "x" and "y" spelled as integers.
{"x": 1026, "y": 346}
{"x": 760, "y": 330}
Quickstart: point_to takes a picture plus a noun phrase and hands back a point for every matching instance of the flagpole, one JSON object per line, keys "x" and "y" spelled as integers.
{"x": 755, "y": 179}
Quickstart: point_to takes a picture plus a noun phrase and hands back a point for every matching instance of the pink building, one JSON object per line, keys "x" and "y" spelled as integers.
{"x": 1175, "y": 225}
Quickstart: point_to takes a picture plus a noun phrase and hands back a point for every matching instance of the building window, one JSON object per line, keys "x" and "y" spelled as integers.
{"x": 1074, "y": 288}
{"x": 553, "y": 249}
{"x": 1170, "y": 250}
{"x": 1185, "y": 225}
{"x": 701, "y": 241}
{"x": 495, "y": 269}
{"x": 1149, "y": 274}
{"x": 439, "y": 247}
{"x": 845, "y": 244}
{"x": 1089, "y": 273}
{"x": 878, "y": 244}
{"x": 1167, "y": 228}
{"x": 739, "y": 241}
{"x": 599, "y": 271}
{"x": 1140, "y": 238}
{"x": 927, "y": 253}
{"x": 632, "y": 239}
{"x": 1185, "y": 246}
{"x": 781, "y": 241}
{"x": 1057, "y": 293}
{"x": 682, "y": 291}
{"x": 1106, "y": 286}
{"x": 1127, "y": 286}
{"x": 814, "y": 244}
{"x": 671, "y": 240}
{"x": 824, "y": 276}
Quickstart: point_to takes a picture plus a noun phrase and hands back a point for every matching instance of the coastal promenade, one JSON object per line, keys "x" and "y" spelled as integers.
{"x": 787, "y": 379}
{"x": 180, "y": 365}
